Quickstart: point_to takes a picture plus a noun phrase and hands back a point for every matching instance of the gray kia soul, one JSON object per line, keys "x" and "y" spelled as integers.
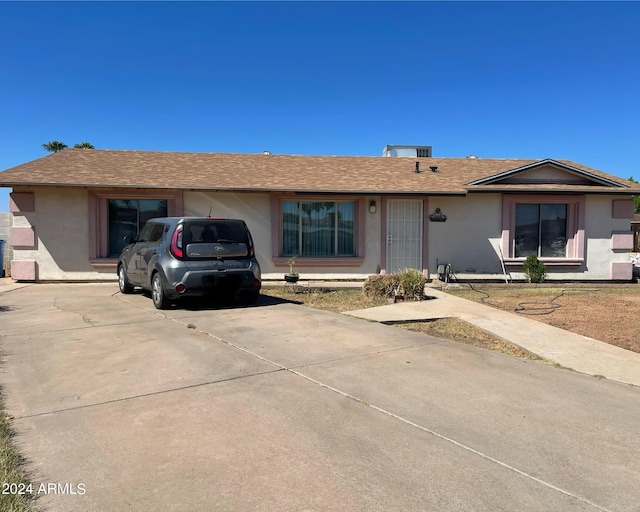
{"x": 176, "y": 257}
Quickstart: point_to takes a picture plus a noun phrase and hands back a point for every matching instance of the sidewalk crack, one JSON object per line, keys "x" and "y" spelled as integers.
{"x": 84, "y": 317}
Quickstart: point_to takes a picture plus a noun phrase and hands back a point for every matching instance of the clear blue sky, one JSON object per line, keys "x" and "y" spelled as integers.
{"x": 501, "y": 79}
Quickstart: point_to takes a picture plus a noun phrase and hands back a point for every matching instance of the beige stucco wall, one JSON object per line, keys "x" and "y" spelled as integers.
{"x": 373, "y": 238}
{"x": 255, "y": 210}
{"x": 468, "y": 239}
{"x": 61, "y": 227}
{"x": 599, "y": 227}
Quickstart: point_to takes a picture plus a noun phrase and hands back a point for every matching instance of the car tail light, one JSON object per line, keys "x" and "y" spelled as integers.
{"x": 181, "y": 288}
{"x": 252, "y": 251}
{"x": 256, "y": 283}
{"x": 176, "y": 243}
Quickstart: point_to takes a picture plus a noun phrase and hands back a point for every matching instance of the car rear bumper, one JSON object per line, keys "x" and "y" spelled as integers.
{"x": 207, "y": 282}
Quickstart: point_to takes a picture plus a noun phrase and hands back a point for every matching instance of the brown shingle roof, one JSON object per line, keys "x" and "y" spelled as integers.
{"x": 226, "y": 171}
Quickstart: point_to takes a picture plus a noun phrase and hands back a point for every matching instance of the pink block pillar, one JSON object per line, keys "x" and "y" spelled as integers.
{"x": 621, "y": 270}
{"x": 23, "y": 270}
{"x": 22, "y": 237}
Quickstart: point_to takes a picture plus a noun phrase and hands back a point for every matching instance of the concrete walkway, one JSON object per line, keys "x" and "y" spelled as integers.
{"x": 568, "y": 349}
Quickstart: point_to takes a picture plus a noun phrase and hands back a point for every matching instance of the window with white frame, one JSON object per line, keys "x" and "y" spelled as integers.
{"x": 318, "y": 228}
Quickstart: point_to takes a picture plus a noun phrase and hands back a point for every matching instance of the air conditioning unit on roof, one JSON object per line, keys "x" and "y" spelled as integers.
{"x": 399, "y": 150}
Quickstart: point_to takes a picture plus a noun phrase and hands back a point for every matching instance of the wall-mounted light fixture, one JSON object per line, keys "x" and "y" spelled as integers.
{"x": 372, "y": 207}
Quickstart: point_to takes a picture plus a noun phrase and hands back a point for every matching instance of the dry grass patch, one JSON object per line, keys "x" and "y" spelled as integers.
{"x": 12, "y": 471}
{"x": 336, "y": 301}
{"x": 607, "y": 313}
{"x": 454, "y": 329}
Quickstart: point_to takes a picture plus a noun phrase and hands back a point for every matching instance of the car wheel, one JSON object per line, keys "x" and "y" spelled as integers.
{"x": 123, "y": 282}
{"x": 157, "y": 292}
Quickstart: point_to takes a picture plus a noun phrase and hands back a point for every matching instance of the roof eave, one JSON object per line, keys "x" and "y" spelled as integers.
{"x": 539, "y": 190}
{"x": 237, "y": 189}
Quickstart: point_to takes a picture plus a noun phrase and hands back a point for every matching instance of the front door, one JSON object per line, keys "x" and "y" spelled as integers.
{"x": 404, "y": 235}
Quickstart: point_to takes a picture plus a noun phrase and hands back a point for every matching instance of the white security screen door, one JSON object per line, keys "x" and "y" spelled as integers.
{"x": 404, "y": 235}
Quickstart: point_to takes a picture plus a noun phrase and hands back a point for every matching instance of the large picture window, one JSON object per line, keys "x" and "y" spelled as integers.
{"x": 550, "y": 227}
{"x": 126, "y": 218}
{"x": 541, "y": 229}
{"x": 318, "y": 228}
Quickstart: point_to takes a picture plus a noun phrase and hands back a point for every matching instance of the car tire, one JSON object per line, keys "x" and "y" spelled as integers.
{"x": 157, "y": 292}
{"x": 123, "y": 283}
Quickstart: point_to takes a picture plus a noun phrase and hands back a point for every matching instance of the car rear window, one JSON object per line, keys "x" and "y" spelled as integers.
{"x": 229, "y": 235}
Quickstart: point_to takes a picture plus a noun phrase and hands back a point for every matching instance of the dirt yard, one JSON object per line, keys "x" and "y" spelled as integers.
{"x": 606, "y": 313}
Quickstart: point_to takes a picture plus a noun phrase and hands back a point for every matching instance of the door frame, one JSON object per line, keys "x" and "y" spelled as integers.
{"x": 383, "y": 230}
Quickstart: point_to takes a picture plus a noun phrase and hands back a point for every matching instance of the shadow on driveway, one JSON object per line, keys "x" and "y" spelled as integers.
{"x": 214, "y": 303}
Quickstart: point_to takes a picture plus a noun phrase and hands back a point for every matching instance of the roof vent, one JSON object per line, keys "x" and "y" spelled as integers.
{"x": 266, "y": 152}
{"x": 417, "y": 167}
{"x": 434, "y": 168}
{"x": 472, "y": 157}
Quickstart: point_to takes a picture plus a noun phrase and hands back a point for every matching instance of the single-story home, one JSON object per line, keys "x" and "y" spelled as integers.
{"x": 341, "y": 217}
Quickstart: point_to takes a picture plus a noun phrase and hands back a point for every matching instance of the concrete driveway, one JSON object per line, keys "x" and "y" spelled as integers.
{"x": 279, "y": 407}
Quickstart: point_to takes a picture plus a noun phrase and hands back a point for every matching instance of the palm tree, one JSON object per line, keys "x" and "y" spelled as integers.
{"x": 54, "y": 146}
{"x": 84, "y": 145}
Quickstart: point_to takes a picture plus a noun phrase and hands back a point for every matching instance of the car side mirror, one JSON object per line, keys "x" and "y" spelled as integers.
{"x": 128, "y": 240}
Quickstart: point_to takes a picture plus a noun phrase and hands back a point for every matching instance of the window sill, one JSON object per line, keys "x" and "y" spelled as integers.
{"x": 549, "y": 262}
{"x": 302, "y": 262}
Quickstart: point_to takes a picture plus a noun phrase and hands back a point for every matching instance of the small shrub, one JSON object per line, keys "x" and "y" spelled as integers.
{"x": 412, "y": 282}
{"x": 408, "y": 284}
{"x": 372, "y": 287}
{"x": 534, "y": 269}
{"x": 380, "y": 286}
